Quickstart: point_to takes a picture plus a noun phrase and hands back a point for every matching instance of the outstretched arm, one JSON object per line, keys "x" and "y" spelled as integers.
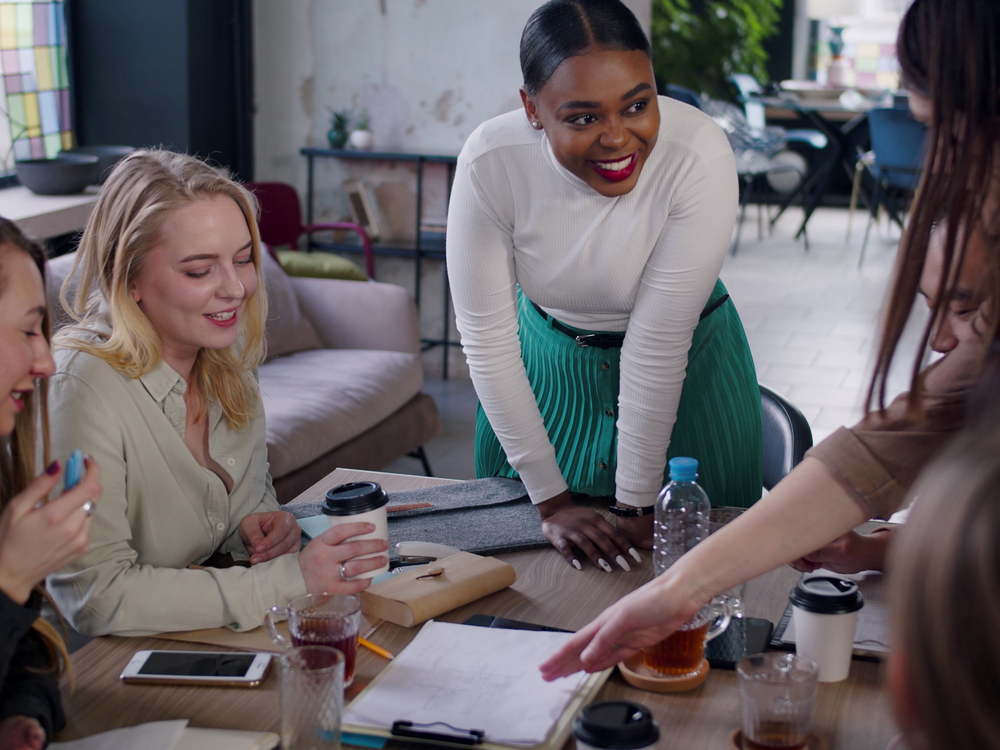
{"x": 805, "y": 511}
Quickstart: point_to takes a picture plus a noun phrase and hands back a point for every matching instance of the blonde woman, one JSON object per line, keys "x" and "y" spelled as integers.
{"x": 944, "y": 665}
{"x": 157, "y": 380}
{"x": 36, "y": 538}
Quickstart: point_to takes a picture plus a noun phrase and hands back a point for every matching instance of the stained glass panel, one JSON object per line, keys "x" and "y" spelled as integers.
{"x": 35, "y": 87}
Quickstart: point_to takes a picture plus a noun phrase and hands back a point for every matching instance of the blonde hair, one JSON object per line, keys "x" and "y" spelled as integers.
{"x": 945, "y": 600}
{"x": 137, "y": 199}
{"x": 31, "y": 428}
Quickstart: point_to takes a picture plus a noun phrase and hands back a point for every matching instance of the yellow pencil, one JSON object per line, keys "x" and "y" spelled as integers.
{"x": 372, "y": 647}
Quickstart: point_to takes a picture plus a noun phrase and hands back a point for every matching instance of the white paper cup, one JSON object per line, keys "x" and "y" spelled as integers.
{"x": 824, "y": 615}
{"x": 360, "y": 502}
{"x": 826, "y": 639}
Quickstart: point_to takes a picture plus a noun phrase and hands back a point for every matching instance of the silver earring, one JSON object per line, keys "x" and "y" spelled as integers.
{"x": 536, "y": 125}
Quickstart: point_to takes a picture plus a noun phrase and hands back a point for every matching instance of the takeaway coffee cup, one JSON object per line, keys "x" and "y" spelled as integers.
{"x": 359, "y": 502}
{"x": 824, "y": 614}
{"x": 615, "y": 725}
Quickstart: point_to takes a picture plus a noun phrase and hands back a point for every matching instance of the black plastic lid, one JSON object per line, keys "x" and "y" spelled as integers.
{"x": 827, "y": 595}
{"x": 354, "y": 498}
{"x": 616, "y": 725}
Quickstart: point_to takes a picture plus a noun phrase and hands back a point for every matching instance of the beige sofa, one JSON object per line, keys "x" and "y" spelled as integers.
{"x": 342, "y": 386}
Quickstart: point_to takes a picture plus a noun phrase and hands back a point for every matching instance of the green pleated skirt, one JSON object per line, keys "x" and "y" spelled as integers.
{"x": 718, "y": 418}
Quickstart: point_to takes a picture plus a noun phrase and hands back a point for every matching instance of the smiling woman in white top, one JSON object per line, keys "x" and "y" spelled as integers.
{"x": 157, "y": 381}
{"x": 585, "y": 238}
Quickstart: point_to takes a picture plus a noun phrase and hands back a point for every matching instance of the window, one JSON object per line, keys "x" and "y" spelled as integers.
{"x": 36, "y": 104}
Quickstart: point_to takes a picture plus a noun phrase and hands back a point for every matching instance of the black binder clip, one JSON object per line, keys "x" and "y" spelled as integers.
{"x": 456, "y": 736}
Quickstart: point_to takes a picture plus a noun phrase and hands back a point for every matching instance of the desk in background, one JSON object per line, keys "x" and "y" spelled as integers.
{"x": 851, "y": 715}
{"x": 424, "y": 246}
{"x": 43, "y": 216}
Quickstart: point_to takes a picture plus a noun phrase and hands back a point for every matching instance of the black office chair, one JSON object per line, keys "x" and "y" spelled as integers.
{"x": 787, "y": 436}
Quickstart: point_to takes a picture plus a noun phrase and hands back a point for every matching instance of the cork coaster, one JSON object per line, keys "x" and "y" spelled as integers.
{"x": 813, "y": 741}
{"x": 638, "y": 675}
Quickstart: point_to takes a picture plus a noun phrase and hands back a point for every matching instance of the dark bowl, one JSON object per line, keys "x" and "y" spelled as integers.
{"x": 64, "y": 175}
{"x": 107, "y": 157}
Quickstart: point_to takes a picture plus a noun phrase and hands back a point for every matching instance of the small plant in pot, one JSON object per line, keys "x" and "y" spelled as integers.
{"x": 361, "y": 136}
{"x": 340, "y": 127}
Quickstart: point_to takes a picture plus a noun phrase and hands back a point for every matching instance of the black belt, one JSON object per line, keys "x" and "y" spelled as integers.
{"x": 612, "y": 340}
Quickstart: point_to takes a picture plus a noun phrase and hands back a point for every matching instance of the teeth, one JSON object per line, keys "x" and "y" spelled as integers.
{"x": 221, "y": 316}
{"x": 16, "y": 395}
{"x": 615, "y": 166}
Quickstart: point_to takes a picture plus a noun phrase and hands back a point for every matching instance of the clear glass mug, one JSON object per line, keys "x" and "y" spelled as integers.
{"x": 311, "y": 680}
{"x": 777, "y": 699}
{"x": 320, "y": 620}
{"x": 682, "y": 653}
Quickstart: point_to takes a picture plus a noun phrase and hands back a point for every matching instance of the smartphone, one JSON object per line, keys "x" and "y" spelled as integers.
{"x": 74, "y": 470}
{"x": 744, "y": 637}
{"x": 221, "y": 668}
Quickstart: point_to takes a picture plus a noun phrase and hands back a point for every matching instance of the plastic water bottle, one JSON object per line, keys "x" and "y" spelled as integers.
{"x": 682, "y": 514}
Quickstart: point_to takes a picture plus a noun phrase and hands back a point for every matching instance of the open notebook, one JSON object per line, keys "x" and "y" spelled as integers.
{"x": 172, "y": 735}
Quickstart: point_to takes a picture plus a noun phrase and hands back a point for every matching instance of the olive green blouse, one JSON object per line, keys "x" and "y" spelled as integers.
{"x": 161, "y": 511}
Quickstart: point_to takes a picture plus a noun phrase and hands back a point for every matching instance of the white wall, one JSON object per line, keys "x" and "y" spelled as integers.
{"x": 428, "y": 72}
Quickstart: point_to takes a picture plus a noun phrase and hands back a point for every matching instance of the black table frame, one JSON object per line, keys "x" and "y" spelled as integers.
{"x": 419, "y": 250}
{"x": 819, "y": 177}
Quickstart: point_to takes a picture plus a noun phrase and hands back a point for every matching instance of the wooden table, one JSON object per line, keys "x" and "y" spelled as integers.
{"x": 853, "y": 714}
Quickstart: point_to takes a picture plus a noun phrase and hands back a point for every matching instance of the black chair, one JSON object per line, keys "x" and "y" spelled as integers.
{"x": 787, "y": 436}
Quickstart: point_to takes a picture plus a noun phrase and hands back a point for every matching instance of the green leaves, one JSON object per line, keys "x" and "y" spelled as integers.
{"x": 699, "y": 48}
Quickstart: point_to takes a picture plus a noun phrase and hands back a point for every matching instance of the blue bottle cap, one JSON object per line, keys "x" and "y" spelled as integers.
{"x": 683, "y": 469}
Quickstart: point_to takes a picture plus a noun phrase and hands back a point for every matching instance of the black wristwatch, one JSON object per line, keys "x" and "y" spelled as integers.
{"x": 631, "y": 512}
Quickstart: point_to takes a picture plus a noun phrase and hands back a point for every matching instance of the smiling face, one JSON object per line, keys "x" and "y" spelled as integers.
{"x": 24, "y": 352}
{"x": 963, "y": 320}
{"x": 194, "y": 284}
{"x": 600, "y": 114}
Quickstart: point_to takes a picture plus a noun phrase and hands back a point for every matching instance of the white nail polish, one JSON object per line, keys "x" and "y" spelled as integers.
{"x": 604, "y": 564}
{"x": 576, "y": 564}
{"x": 624, "y": 565}
{"x": 631, "y": 551}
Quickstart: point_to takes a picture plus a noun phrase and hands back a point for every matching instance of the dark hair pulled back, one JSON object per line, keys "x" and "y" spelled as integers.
{"x": 565, "y": 28}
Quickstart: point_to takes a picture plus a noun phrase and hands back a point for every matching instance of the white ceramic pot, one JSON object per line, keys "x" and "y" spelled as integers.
{"x": 361, "y": 139}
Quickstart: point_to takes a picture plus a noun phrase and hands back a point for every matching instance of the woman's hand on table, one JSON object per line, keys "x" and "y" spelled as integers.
{"x": 644, "y": 617}
{"x": 270, "y": 535}
{"x": 323, "y": 557}
{"x": 38, "y": 537}
{"x": 639, "y": 529}
{"x": 851, "y": 553}
{"x": 567, "y": 526}
{"x": 21, "y": 733}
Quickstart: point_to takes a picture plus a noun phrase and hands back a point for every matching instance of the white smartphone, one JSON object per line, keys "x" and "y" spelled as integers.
{"x": 223, "y": 668}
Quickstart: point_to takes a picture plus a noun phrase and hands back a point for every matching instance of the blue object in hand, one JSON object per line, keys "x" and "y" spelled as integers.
{"x": 74, "y": 470}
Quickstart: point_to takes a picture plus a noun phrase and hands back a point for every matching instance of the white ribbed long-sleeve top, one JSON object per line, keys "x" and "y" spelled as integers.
{"x": 644, "y": 263}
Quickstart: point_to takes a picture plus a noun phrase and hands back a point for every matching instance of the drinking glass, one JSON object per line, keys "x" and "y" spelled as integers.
{"x": 777, "y": 698}
{"x": 312, "y": 697}
{"x": 321, "y": 620}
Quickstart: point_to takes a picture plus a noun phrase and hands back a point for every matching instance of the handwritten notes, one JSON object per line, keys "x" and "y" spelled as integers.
{"x": 471, "y": 678}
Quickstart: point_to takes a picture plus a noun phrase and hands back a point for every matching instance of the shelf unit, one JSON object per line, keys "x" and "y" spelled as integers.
{"x": 427, "y": 244}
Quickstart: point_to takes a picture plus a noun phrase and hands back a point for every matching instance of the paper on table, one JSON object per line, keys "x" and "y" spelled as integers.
{"x": 154, "y": 735}
{"x": 471, "y": 678}
{"x": 872, "y": 631}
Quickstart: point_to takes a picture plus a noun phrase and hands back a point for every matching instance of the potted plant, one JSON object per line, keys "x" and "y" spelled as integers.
{"x": 361, "y": 136}
{"x": 340, "y": 127}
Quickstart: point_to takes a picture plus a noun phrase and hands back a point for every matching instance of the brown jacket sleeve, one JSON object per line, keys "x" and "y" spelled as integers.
{"x": 879, "y": 458}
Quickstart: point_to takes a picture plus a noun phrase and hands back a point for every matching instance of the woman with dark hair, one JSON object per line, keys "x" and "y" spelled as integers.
{"x": 36, "y": 537}
{"x": 950, "y": 55}
{"x": 585, "y": 238}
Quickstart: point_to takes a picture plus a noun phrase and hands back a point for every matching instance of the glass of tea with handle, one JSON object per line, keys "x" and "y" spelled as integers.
{"x": 320, "y": 620}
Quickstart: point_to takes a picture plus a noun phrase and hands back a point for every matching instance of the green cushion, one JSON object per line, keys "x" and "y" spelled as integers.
{"x": 319, "y": 266}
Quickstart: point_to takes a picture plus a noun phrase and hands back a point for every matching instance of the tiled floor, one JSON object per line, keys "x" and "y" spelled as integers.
{"x": 811, "y": 319}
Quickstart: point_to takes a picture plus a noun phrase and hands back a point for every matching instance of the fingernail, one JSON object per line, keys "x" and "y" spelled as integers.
{"x": 261, "y": 547}
{"x": 576, "y": 564}
{"x": 370, "y": 526}
{"x": 631, "y": 551}
{"x": 621, "y": 561}
{"x": 604, "y": 564}
{"x": 52, "y": 469}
